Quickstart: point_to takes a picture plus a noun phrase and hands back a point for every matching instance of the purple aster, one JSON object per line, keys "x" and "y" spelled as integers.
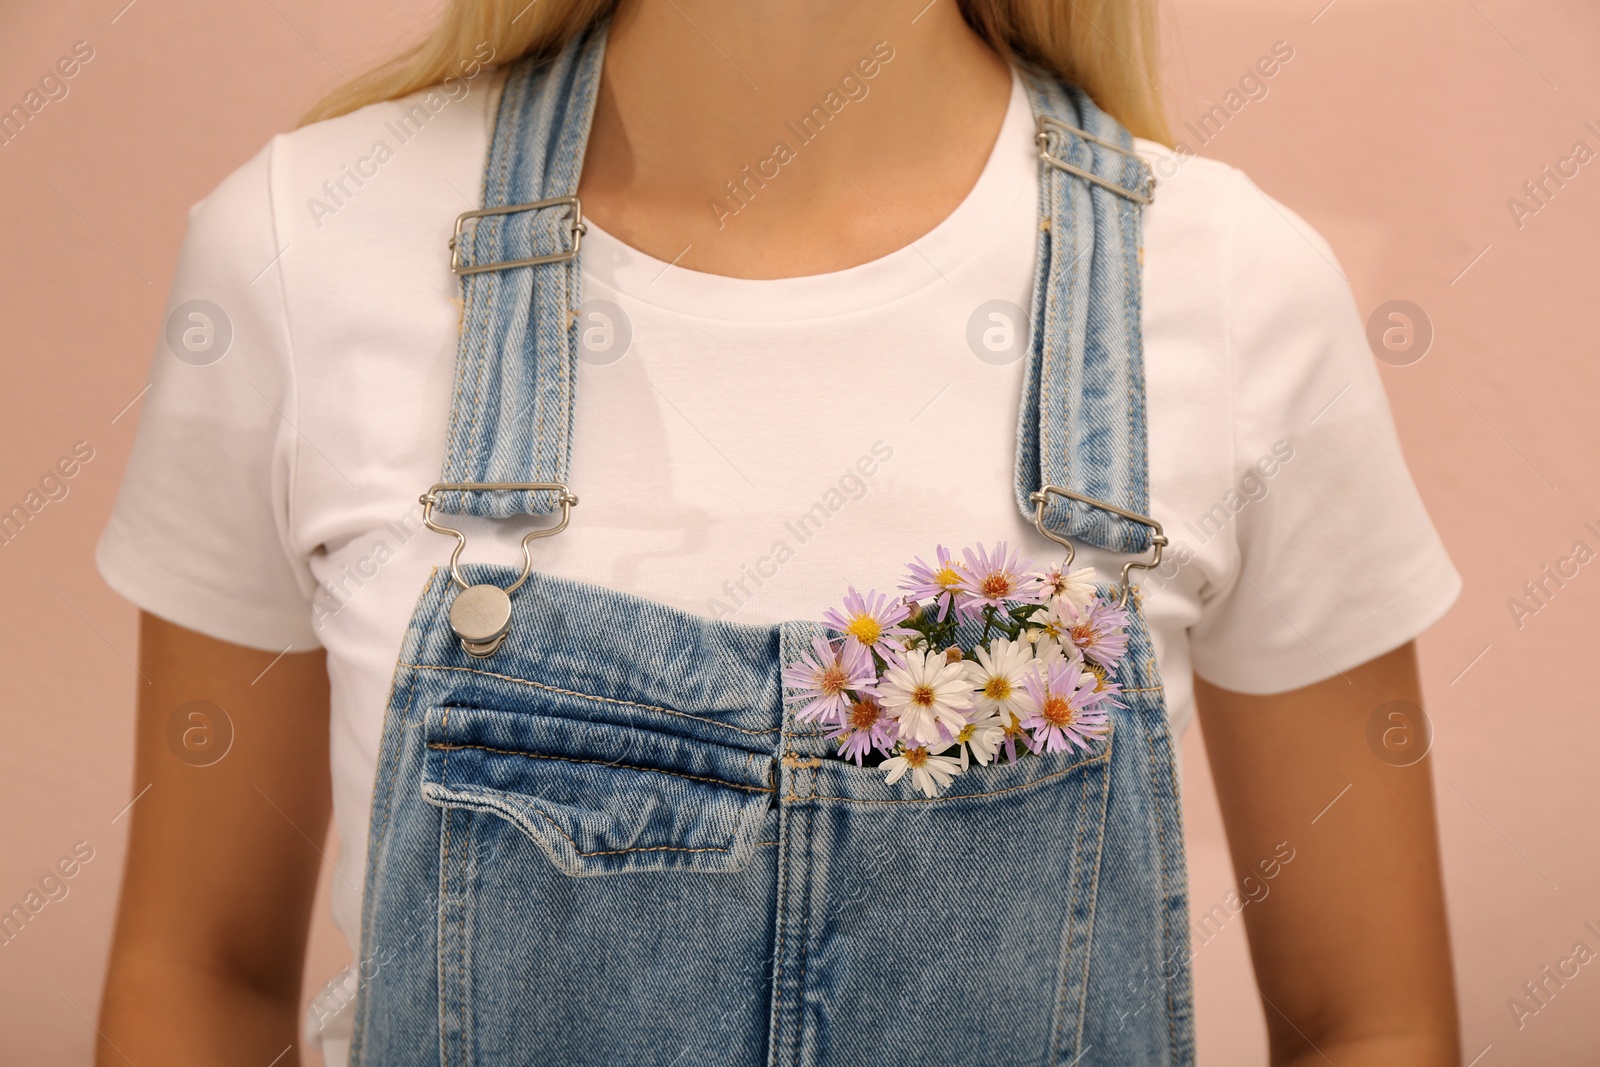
{"x": 991, "y": 580}
{"x": 872, "y": 621}
{"x": 826, "y": 675}
{"x": 865, "y": 726}
{"x": 1100, "y": 634}
{"x": 1067, "y": 709}
{"x": 940, "y": 581}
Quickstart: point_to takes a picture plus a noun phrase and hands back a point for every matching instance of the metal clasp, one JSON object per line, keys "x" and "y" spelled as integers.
{"x": 575, "y": 227}
{"x": 481, "y": 614}
{"x": 1158, "y": 539}
{"x": 1042, "y": 139}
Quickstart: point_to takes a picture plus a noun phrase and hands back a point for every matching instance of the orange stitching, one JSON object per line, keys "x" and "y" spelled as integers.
{"x": 442, "y": 746}
{"x": 591, "y": 696}
{"x": 444, "y": 911}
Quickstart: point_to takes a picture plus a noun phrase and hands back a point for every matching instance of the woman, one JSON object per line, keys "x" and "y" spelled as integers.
{"x": 751, "y": 283}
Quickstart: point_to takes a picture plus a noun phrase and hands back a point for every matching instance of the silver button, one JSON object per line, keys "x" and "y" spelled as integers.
{"x": 481, "y": 616}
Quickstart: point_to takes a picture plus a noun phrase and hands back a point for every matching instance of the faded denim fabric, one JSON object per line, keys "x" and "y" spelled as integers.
{"x": 612, "y": 842}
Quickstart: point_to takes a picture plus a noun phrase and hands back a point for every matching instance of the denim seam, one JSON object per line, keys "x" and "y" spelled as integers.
{"x": 1161, "y": 860}
{"x": 591, "y": 696}
{"x": 805, "y": 939}
{"x": 600, "y": 852}
{"x": 1094, "y": 902}
{"x": 786, "y": 845}
{"x": 1091, "y": 762}
{"x": 444, "y": 908}
{"x": 442, "y": 746}
{"x": 1077, "y": 861}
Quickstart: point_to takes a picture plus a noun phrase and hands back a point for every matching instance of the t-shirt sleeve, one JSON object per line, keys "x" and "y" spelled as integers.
{"x": 200, "y": 533}
{"x": 1336, "y": 561}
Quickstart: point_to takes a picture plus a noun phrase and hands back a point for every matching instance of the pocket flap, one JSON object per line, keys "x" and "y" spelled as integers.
{"x": 600, "y": 798}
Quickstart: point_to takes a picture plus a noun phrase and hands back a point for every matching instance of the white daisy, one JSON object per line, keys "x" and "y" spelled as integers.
{"x": 1075, "y": 587}
{"x": 930, "y": 772}
{"x": 1053, "y": 619}
{"x": 925, "y": 693}
{"x": 997, "y": 675}
{"x": 1048, "y": 650}
{"x": 980, "y": 738}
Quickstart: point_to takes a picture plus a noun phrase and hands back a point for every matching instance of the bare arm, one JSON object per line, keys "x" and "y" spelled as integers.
{"x": 1350, "y": 944}
{"x": 222, "y": 859}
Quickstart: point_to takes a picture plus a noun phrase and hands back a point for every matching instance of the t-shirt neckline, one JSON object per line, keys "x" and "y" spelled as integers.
{"x": 929, "y": 260}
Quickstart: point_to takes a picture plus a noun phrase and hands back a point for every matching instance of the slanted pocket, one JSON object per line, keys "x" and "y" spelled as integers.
{"x": 597, "y": 797}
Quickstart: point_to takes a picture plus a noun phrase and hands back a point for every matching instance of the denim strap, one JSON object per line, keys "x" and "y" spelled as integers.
{"x": 517, "y": 359}
{"x": 1082, "y": 422}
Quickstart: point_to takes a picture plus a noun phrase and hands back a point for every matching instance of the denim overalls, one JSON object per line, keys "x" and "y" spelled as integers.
{"x": 600, "y": 834}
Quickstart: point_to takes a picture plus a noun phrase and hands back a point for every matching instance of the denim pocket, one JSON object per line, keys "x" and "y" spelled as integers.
{"x": 598, "y": 797}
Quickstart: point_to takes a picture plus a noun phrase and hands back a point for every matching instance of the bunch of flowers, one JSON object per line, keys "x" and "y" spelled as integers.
{"x": 982, "y": 659}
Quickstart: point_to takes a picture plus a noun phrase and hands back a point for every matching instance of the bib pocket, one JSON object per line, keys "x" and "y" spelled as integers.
{"x": 597, "y": 797}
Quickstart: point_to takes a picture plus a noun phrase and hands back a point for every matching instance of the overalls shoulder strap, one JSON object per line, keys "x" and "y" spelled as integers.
{"x": 517, "y": 359}
{"x": 1082, "y": 442}
{"x": 1081, "y": 467}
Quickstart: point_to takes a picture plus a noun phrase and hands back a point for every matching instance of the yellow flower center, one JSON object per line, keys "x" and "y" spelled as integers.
{"x": 833, "y": 681}
{"x": 864, "y": 714}
{"x": 997, "y": 688}
{"x": 1056, "y": 711}
{"x": 922, "y": 696}
{"x": 996, "y": 586}
{"x": 966, "y": 733}
{"x": 947, "y": 577}
{"x": 865, "y": 628}
{"x": 916, "y": 756}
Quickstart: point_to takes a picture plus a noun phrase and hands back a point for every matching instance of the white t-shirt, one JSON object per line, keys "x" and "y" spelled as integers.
{"x": 271, "y": 499}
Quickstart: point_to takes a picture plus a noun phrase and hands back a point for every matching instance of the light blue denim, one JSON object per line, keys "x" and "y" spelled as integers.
{"x": 613, "y": 842}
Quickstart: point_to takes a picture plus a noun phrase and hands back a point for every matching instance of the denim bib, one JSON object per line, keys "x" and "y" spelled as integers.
{"x": 600, "y": 832}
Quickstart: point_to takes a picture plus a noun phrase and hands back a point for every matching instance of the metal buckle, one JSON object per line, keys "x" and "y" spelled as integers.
{"x": 1042, "y": 139}
{"x": 481, "y": 614}
{"x": 577, "y": 229}
{"x": 1158, "y": 540}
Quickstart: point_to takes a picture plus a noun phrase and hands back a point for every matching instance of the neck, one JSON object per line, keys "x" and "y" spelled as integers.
{"x": 762, "y": 141}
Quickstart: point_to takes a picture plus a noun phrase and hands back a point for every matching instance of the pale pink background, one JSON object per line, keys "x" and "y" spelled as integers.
{"x": 1400, "y": 129}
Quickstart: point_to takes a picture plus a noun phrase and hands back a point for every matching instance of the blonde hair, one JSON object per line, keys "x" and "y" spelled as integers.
{"x": 1105, "y": 47}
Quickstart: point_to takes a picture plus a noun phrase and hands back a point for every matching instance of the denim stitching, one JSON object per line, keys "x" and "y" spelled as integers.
{"x": 447, "y": 747}
{"x": 602, "y": 852}
{"x": 444, "y": 907}
{"x": 1161, "y": 859}
{"x": 1077, "y": 860}
{"x": 1104, "y": 757}
{"x": 591, "y": 696}
{"x": 1094, "y": 902}
{"x": 805, "y": 939}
